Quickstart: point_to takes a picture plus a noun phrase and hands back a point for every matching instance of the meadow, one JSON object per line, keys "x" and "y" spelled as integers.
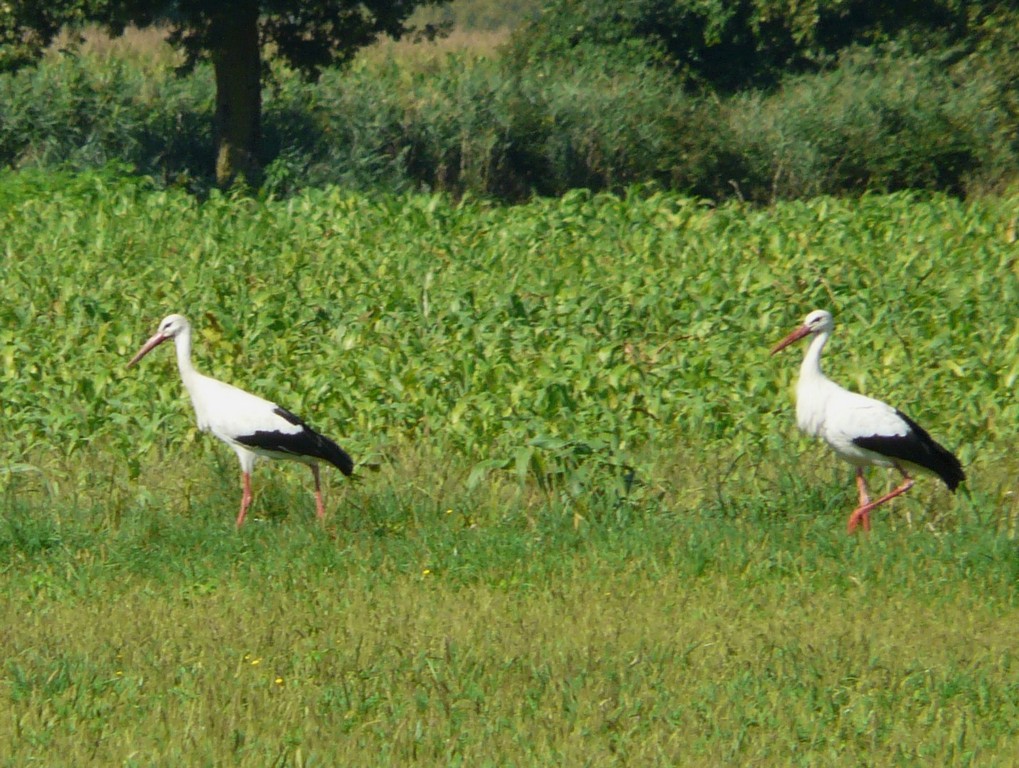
{"x": 585, "y": 530}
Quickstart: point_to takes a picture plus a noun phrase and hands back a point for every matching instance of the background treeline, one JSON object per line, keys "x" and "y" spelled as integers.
{"x": 722, "y": 102}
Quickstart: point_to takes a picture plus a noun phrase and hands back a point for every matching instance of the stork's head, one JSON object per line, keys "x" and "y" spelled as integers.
{"x": 170, "y": 327}
{"x": 818, "y": 321}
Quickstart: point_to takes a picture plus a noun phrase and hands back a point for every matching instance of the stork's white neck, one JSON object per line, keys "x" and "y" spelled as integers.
{"x": 813, "y": 388}
{"x": 182, "y": 343}
{"x": 810, "y": 368}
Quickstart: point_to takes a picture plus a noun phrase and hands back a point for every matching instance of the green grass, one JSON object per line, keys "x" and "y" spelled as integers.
{"x": 585, "y": 529}
{"x": 672, "y": 637}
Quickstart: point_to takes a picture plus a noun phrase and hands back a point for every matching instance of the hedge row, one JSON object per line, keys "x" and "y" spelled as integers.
{"x": 877, "y": 121}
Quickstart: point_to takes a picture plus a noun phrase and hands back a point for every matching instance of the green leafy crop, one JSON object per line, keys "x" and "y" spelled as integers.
{"x": 549, "y": 340}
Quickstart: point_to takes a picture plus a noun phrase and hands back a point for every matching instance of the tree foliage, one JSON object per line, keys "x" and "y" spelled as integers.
{"x": 308, "y": 35}
{"x": 27, "y": 27}
{"x": 734, "y": 44}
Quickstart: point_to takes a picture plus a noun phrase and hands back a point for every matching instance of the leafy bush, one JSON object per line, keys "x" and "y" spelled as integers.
{"x": 875, "y": 123}
{"x": 345, "y": 130}
{"x": 480, "y": 129}
{"x": 881, "y": 122}
{"x": 85, "y": 112}
{"x": 494, "y": 128}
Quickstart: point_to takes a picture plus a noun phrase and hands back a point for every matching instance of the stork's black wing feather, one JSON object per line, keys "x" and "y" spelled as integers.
{"x": 917, "y": 447}
{"x": 305, "y": 442}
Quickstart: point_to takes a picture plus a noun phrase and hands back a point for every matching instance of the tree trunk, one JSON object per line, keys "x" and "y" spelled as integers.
{"x": 236, "y": 59}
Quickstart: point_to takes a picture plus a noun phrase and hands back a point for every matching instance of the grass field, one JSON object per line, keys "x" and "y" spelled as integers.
{"x": 585, "y": 530}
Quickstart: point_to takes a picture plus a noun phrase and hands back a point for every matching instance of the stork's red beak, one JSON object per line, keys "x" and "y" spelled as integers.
{"x": 147, "y": 347}
{"x": 796, "y": 335}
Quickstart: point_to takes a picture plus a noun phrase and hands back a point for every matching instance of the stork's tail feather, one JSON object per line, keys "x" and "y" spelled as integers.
{"x": 949, "y": 469}
{"x": 335, "y": 455}
{"x": 936, "y": 457}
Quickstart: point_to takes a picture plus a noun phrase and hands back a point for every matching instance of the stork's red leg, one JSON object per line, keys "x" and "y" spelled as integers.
{"x": 856, "y": 517}
{"x": 320, "y": 508}
{"x": 245, "y": 498}
{"x": 864, "y": 510}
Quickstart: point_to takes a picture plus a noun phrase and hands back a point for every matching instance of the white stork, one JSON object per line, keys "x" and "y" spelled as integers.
{"x": 252, "y": 426}
{"x": 863, "y": 431}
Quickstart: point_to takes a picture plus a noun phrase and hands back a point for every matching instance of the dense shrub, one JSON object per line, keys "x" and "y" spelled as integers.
{"x": 346, "y": 130}
{"x": 79, "y": 112}
{"x": 493, "y": 128}
{"x": 480, "y": 129}
{"x": 880, "y": 120}
{"x": 874, "y": 123}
